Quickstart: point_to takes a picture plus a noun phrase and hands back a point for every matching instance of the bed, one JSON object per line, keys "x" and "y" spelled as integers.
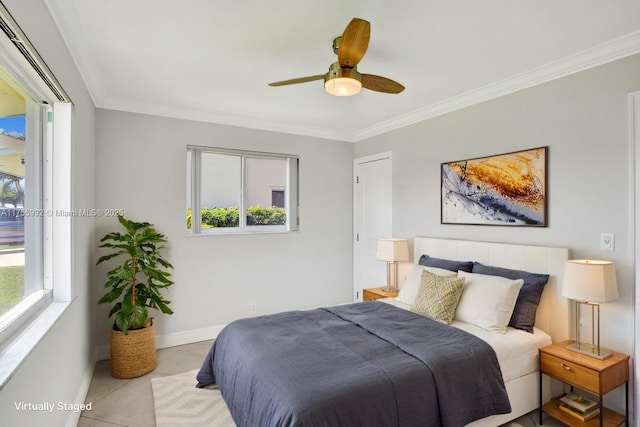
{"x": 370, "y": 363}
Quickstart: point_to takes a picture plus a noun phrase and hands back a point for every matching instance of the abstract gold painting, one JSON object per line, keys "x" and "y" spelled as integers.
{"x": 505, "y": 189}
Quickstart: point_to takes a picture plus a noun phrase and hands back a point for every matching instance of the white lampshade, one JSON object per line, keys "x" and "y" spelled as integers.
{"x": 392, "y": 250}
{"x": 590, "y": 280}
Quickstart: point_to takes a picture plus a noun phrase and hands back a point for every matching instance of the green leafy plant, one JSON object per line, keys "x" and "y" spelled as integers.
{"x": 230, "y": 217}
{"x": 221, "y": 217}
{"x": 135, "y": 285}
{"x": 257, "y": 215}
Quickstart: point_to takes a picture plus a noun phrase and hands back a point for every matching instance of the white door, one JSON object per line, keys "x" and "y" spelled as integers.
{"x": 372, "y": 219}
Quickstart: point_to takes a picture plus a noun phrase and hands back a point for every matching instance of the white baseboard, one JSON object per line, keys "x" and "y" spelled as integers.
{"x": 74, "y": 417}
{"x": 188, "y": 337}
{"x": 172, "y": 340}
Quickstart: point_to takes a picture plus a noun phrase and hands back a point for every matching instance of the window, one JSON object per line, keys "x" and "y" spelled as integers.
{"x": 232, "y": 191}
{"x": 31, "y": 103}
{"x": 21, "y": 218}
{"x": 13, "y": 158}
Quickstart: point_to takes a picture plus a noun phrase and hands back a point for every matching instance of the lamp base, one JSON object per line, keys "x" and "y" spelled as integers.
{"x": 392, "y": 274}
{"x": 590, "y": 350}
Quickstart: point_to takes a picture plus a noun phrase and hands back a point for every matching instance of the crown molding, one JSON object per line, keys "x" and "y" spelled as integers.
{"x": 613, "y": 50}
{"x": 66, "y": 19}
{"x": 121, "y": 104}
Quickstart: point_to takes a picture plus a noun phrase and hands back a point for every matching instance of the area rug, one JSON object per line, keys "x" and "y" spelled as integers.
{"x": 177, "y": 402}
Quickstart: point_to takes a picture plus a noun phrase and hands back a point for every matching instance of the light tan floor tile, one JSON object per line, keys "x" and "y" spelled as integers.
{"x": 102, "y": 383}
{"x": 182, "y": 358}
{"x": 88, "y": 422}
{"x": 130, "y": 405}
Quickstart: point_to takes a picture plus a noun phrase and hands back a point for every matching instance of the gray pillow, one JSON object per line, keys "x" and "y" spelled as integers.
{"x": 524, "y": 313}
{"x": 447, "y": 264}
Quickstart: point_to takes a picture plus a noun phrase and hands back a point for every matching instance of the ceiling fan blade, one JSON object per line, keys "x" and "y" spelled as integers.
{"x": 381, "y": 84}
{"x": 298, "y": 80}
{"x": 354, "y": 42}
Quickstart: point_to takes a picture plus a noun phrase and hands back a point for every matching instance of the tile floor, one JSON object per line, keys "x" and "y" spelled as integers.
{"x": 130, "y": 402}
{"x": 117, "y": 403}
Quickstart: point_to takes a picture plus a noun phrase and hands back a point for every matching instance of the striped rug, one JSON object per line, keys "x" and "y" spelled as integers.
{"x": 177, "y": 402}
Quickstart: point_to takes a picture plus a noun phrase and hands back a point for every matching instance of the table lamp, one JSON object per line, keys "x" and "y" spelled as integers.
{"x": 392, "y": 250}
{"x": 589, "y": 283}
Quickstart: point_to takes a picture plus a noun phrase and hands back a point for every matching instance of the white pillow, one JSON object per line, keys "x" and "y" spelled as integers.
{"x": 409, "y": 289}
{"x": 487, "y": 301}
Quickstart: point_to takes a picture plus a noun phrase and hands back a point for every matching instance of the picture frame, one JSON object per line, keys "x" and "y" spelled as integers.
{"x": 507, "y": 189}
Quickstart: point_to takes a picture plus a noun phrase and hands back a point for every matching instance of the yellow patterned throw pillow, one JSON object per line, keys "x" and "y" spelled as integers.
{"x": 438, "y": 296}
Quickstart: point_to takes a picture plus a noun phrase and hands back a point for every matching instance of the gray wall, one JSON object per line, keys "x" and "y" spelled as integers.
{"x": 60, "y": 366}
{"x": 142, "y": 170}
{"x": 583, "y": 119}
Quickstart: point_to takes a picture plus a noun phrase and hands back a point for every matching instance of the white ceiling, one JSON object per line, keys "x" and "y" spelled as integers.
{"x": 212, "y": 60}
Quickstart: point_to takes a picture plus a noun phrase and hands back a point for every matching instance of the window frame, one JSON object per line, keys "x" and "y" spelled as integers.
{"x": 291, "y": 193}
{"x": 38, "y": 291}
{"x": 28, "y": 321}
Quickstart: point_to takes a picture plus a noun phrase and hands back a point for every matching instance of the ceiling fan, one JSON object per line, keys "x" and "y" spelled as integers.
{"x": 343, "y": 78}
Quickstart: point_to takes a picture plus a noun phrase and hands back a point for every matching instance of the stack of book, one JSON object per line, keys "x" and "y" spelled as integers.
{"x": 579, "y": 406}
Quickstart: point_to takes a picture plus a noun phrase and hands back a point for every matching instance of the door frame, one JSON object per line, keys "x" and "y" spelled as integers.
{"x": 634, "y": 142}
{"x": 356, "y": 162}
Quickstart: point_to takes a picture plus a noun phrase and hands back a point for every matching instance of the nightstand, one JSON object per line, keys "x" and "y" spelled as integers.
{"x": 372, "y": 294}
{"x": 597, "y": 377}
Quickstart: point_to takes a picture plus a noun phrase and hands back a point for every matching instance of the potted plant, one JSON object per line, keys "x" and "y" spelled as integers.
{"x": 134, "y": 286}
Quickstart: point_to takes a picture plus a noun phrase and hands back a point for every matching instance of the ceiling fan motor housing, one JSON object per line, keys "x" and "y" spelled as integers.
{"x": 336, "y": 44}
{"x": 336, "y": 71}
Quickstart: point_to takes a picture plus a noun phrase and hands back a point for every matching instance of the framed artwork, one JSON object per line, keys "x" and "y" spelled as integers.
{"x": 505, "y": 189}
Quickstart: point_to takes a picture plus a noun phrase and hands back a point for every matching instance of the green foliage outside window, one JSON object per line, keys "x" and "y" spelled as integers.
{"x": 266, "y": 216}
{"x": 230, "y": 217}
{"x": 11, "y": 287}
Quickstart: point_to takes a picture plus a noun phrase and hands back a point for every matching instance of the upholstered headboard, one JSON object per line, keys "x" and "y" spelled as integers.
{"x": 553, "y": 314}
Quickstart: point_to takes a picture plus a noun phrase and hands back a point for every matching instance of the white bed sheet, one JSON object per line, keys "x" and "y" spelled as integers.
{"x": 517, "y": 350}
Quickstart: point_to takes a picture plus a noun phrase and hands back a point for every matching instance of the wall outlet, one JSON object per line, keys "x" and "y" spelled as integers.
{"x": 252, "y": 308}
{"x": 607, "y": 242}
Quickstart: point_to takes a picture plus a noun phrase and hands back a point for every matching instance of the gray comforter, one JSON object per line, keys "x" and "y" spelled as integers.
{"x": 364, "y": 364}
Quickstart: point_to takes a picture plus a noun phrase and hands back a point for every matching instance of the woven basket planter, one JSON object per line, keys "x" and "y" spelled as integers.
{"x": 133, "y": 355}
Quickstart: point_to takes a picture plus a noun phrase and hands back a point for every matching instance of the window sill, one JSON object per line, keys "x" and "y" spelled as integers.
{"x": 251, "y": 229}
{"x": 243, "y": 233}
{"x": 12, "y": 357}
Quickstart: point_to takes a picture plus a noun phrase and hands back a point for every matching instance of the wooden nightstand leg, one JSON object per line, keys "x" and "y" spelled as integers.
{"x": 626, "y": 403}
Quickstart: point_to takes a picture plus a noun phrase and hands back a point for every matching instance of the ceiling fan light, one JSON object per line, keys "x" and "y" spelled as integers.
{"x": 342, "y": 86}
{"x": 342, "y": 81}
